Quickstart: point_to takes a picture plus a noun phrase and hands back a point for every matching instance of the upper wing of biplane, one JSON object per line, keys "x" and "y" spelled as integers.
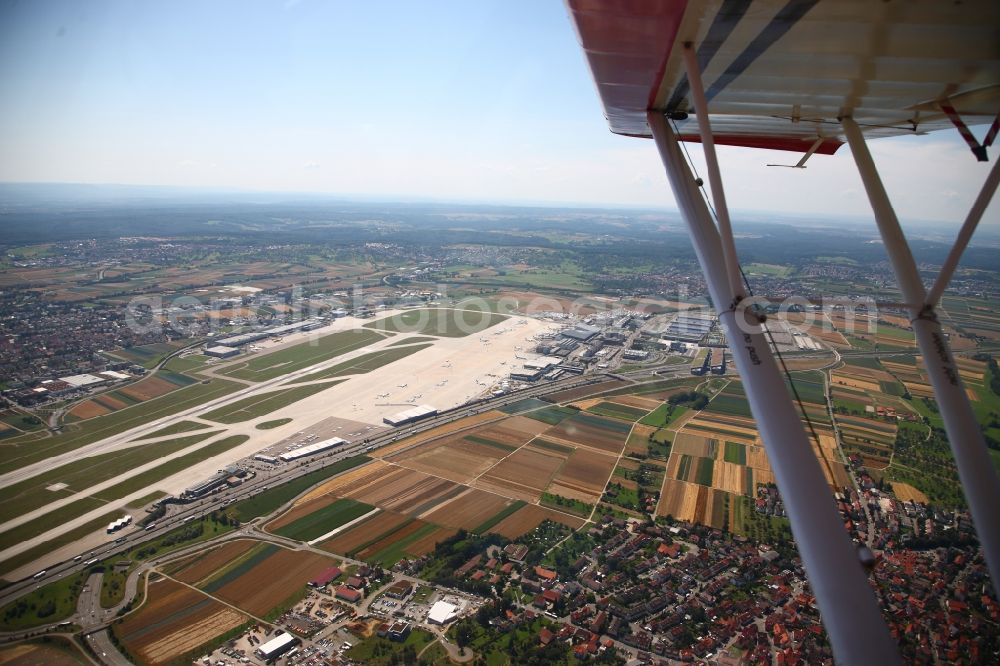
{"x": 779, "y": 73}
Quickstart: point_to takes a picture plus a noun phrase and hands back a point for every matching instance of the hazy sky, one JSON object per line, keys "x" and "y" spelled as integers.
{"x": 464, "y": 100}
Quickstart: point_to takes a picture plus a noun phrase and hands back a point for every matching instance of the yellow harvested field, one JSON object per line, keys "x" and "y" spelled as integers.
{"x": 453, "y": 458}
{"x": 372, "y": 469}
{"x": 403, "y": 489}
{"x": 468, "y": 510}
{"x": 186, "y": 639}
{"x": 729, "y": 477}
{"x": 639, "y": 437}
{"x": 738, "y": 431}
{"x": 678, "y": 499}
{"x": 523, "y": 474}
{"x": 827, "y": 441}
{"x": 529, "y": 517}
{"x": 757, "y": 457}
{"x": 905, "y": 492}
{"x": 691, "y": 444}
{"x": 919, "y": 390}
{"x": 638, "y": 401}
{"x": 852, "y": 381}
{"x": 586, "y": 404}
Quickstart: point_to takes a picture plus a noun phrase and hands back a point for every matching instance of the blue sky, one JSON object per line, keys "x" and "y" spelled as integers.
{"x": 476, "y": 100}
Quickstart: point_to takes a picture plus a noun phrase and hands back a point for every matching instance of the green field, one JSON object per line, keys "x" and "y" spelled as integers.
{"x": 552, "y": 415}
{"x": 54, "y": 519}
{"x": 727, "y": 403}
{"x": 394, "y": 552}
{"x": 281, "y": 362}
{"x": 49, "y": 603}
{"x": 242, "y": 565}
{"x": 768, "y": 269}
{"x": 438, "y": 321}
{"x": 328, "y": 518}
{"x": 663, "y": 416}
{"x": 30, "y": 494}
{"x": 264, "y": 403}
{"x": 269, "y": 425}
{"x": 148, "y": 355}
{"x": 364, "y": 363}
{"x": 703, "y": 475}
{"x": 410, "y": 341}
{"x": 617, "y": 411}
{"x": 552, "y": 446}
{"x": 736, "y": 453}
{"x": 265, "y": 502}
{"x": 175, "y": 429}
{"x": 68, "y": 537}
{"x": 16, "y": 456}
{"x": 508, "y": 510}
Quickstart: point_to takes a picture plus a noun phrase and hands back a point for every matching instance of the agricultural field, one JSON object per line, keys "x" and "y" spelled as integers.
{"x": 196, "y": 568}
{"x": 161, "y": 383}
{"x": 459, "y": 457}
{"x": 364, "y": 533}
{"x": 592, "y": 431}
{"x": 405, "y": 490}
{"x": 469, "y": 510}
{"x": 148, "y": 356}
{"x": 174, "y": 622}
{"x": 264, "y": 403}
{"x": 531, "y": 516}
{"x": 265, "y": 579}
{"x": 318, "y": 519}
{"x": 583, "y": 475}
{"x": 730, "y": 400}
{"x": 618, "y": 411}
{"x": 524, "y": 474}
{"x": 290, "y": 359}
{"x": 445, "y": 322}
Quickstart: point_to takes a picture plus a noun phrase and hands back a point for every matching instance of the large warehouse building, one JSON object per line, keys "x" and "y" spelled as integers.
{"x": 313, "y": 449}
{"x": 277, "y": 646}
{"x": 410, "y": 415}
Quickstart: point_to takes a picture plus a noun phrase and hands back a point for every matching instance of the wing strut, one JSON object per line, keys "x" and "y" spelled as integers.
{"x": 975, "y": 469}
{"x": 847, "y": 604}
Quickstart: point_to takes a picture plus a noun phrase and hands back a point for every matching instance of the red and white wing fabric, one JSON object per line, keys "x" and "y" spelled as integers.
{"x": 779, "y": 73}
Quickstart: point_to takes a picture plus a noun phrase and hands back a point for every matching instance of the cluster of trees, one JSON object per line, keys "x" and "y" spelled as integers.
{"x": 693, "y": 399}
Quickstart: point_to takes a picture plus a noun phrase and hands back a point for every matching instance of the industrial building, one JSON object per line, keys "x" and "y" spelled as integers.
{"x": 581, "y": 332}
{"x": 277, "y": 646}
{"x": 116, "y": 525}
{"x": 635, "y": 354}
{"x": 313, "y": 449}
{"x": 220, "y": 479}
{"x": 687, "y": 328}
{"x": 702, "y": 361}
{"x": 410, "y": 415}
{"x": 442, "y": 613}
{"x": 221, "y": 351}
{"x": 326, "y": 577}
{"x": 274, "y": 331}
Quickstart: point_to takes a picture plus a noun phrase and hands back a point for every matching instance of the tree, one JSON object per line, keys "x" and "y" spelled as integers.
{"x": 463, "y": 634}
